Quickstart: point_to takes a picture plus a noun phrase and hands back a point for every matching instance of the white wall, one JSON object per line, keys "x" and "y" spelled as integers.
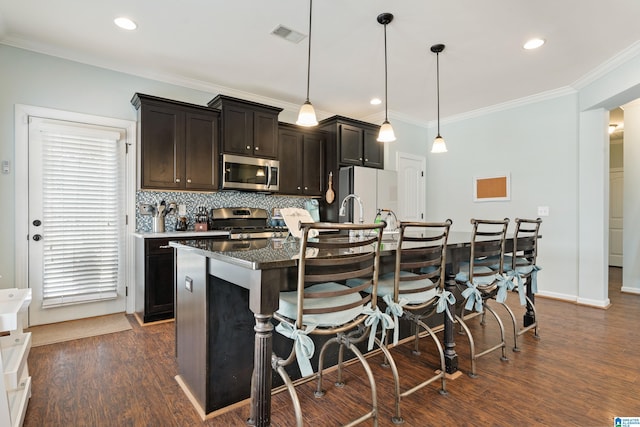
{"x": 618, "y": 87}
{"x": 44, "y": 81}
{"x": 593, "y": 208}
{"x": 410, "y": 139}
{"x": 631, "y": 207}
{"x": 536, "y": 144}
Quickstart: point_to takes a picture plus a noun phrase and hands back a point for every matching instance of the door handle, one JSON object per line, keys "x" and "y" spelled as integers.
{"x": 37, "y": 237}
{"x": 37, "y": 222}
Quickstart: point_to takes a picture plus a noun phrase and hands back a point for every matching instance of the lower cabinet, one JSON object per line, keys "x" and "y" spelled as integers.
{"x": 154, "y": 269}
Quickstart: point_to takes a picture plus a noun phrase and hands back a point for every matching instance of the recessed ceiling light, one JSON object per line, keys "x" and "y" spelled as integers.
{"x": 375, "y": 101}
{"x": 533, "y": 44}
{"x": 125, "y": 23}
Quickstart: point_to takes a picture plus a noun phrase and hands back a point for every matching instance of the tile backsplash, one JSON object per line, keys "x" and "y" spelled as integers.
{"x": 209, "y": 200}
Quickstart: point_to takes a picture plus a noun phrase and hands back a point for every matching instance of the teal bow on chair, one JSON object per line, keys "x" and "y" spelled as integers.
{"x": 303, "y": 343}
{"x": 473, "y": 297}
{"x": 534, "y": 279}
{"x": 504, "y": 284}
{"x": 517, "y": 280}
{"x": 446, "y": 298}
{"x": 375, "y": 317}
{"x": 396, "y": 310}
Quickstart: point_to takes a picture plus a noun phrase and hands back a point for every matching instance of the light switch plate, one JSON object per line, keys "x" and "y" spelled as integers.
{"x": 188, "y": 283}
{"x": 543, "y": 210}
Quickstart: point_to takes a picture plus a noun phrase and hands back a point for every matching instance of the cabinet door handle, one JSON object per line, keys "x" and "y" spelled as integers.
{"x": 164, "y": 247}
{"x": 177, "y": 180}
{"x": 257, "y": 148}
{"x": 360, "y": 159}
{"x": 189, "y": 180}
{"x": 306, "y": 188}
{"x": 248, "y": 147}
{"x": 366, "y": 160}
{"x": 298, "y": 187}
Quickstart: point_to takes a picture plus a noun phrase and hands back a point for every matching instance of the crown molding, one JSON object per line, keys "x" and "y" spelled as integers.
{"x": 173, "y": 79}
{"x": 608, "y": 66}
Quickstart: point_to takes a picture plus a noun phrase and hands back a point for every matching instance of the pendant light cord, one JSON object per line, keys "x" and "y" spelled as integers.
{"x": 386, "y": 98}
{"x": 438, "y": 87}
{"x": 309, "y": 51}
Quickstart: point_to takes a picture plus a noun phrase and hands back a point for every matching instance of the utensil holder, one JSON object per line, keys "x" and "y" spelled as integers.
{"x": 158, "y": 224}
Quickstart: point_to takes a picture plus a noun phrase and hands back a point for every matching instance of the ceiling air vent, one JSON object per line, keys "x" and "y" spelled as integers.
{"x": 288, "y": 34}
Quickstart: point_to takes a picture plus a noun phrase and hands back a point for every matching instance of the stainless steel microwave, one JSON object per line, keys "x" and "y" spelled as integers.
{"x": 249, "y": 173}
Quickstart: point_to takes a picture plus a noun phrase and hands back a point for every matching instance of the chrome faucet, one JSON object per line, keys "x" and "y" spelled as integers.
{"x": 343, "y": 206}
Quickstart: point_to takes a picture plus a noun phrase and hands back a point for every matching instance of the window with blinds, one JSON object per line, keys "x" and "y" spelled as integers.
{"x": 83, "y": 223}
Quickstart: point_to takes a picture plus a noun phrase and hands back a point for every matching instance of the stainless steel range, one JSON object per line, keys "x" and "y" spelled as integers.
{"x": 245, "y": 223}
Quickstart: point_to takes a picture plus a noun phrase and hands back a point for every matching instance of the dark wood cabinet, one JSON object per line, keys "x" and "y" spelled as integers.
{"x": 247, "y": 128}
{"x": 302, "y": 166}
{"x": 350, "y": 142}
{"x": 356, "y": 142}
{"x": 178, "y": 144}
{"x": 373, "y": 149}
{"x": 155, "y": 279}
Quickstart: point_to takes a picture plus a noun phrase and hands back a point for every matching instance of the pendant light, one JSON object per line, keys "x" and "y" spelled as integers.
{"x": 438, "y": 144}
{"x": 386, "y": 131}
{"x": 307, "y": 115}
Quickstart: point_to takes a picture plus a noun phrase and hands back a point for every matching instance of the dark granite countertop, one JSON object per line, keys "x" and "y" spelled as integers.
{"x": 262, "y": 254}
{"x": 255, "y": 254}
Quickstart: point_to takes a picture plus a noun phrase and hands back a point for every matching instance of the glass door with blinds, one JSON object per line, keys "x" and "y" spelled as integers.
{"x": 76, "y": 220}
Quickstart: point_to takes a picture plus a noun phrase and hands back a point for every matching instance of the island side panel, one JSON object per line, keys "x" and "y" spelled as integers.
{"x": 230, "y": 344}
{"x": 191, "y": 324}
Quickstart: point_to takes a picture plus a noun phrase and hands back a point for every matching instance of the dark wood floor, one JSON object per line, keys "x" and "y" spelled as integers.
{"x": 584, "y": 371}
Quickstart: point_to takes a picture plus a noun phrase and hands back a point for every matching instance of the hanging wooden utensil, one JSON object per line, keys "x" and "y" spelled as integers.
{"x": 330, "y": 195}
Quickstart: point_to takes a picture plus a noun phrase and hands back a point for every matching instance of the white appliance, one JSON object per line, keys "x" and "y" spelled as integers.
{"x": 376, "y": 188}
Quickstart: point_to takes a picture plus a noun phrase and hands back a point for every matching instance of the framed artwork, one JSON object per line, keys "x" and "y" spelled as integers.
{"x": 492, "y": 188}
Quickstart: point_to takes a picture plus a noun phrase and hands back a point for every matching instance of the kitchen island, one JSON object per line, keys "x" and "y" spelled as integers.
{"x": 226, "y": 293}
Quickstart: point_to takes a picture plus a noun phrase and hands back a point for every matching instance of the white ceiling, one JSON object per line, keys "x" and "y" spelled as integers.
{"x": 223, "y": 46}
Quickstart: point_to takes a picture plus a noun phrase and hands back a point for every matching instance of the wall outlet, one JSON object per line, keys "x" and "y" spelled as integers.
{"x": 543, "y": 210}
{"x": 182, "y": 210}
{"x": 146, "y": 209}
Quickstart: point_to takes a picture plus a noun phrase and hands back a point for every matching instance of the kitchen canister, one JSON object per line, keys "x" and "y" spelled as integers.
{"x": 158, "y": 224}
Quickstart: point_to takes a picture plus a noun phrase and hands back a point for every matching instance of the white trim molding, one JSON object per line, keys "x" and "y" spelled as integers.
{"x": 21, "y": 143}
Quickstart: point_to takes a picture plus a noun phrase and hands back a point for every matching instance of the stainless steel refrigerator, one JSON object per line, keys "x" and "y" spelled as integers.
{"x": 376, "y": 188}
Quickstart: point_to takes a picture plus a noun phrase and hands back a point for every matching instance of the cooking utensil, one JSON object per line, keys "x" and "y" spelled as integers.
{"x": 161, "y": 207}
{"x": 330, "y": 195}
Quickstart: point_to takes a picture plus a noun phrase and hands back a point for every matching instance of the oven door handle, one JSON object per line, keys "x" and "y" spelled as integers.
{"x": 268, "y": 176}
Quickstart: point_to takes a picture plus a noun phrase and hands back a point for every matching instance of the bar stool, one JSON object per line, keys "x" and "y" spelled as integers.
{"x": 521, "y": 269}
{"x": 479, "y": 282}
{"x": 415, "y": 291}
{"x": 324, "y": 305}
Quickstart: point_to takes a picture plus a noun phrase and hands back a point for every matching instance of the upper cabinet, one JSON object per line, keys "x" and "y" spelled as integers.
{"x": 301, "y": 155}
{"x": 178, "y": 144}
{"x": 356, "y": 143}
{"x": 248, "y": 128}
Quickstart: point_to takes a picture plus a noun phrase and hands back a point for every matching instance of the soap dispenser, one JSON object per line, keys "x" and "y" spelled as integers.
{"x": 378, "y": 218}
